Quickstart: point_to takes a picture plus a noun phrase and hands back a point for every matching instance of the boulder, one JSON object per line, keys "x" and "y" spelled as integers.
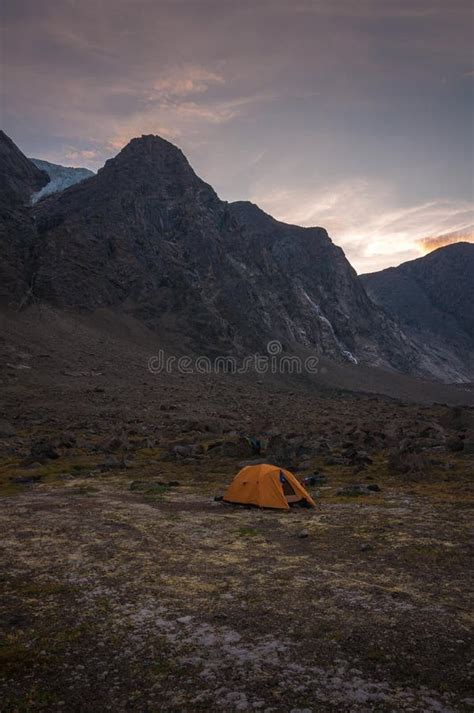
{"x": 356, "y": 489}
{"x": 112, "y": 463}
{"x": 304, "y": 465}
{"x": 186, "y": 450}
{"x": 239, "y": 448}
{"x": 405, "y": 462}
{"x": 433, "y": 431}
{"x": 335, "y": 460}
{"x": 115, "y": 443}
{"x": 316, "y": 479}
{"x": 290, "y": 448}
{"x": 182, "y": 451}
{"x": 43, "y": 450}
{"x": 357, "y": 457}
{"x": 67, "y": 440}
{"x": 25, "y": 479}
{"x": 455, "y": 444}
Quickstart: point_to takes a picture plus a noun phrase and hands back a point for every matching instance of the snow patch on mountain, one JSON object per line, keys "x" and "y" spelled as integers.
{"x": 343, "y": 350}
{"x": 61, "y": 177}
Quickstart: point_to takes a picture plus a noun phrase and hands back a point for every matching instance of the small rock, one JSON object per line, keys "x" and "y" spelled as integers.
{"x": 356, "y": 456}
{"x": 304, "y": 465}
{"x": 115, "y": 443}
{"x": 183, "y": 451}
{"x": 315, "y": 480}
{"x": 365, "y": 547}
{"x": 354, "y": 490}
{"x": 320, "y": 479}
{"x": 303, "y": 533}
{"x": 111, "y": 463}
{"x": 67, "y": 440}
{"x": 334, "y": 460}
{"x": 25, "y": 479}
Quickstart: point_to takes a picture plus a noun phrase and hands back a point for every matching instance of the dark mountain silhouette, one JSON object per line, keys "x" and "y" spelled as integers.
{"x": 433, "y": 298}
{"x": 19, "y": 179}
{"x": 149, "y": 238}
{"x": 148, "y": 235}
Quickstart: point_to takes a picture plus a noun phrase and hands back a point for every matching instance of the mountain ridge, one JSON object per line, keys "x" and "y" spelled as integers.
{"x": 223, "y": 274}
{"x": 19, "y": 179}
{"x": 149, "y": 237}
{"x": 432, "y": 298}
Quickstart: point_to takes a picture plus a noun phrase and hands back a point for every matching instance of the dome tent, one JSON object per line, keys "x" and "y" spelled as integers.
{"x": 267, "y": 486}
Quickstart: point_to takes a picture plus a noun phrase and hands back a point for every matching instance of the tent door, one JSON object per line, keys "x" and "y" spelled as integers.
{"x": 288, "y": 492}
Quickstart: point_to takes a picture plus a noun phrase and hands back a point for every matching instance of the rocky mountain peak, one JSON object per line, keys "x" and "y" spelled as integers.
{"x": 149, "y": 148}
{"x": 151, "y": 161}
{"x": 147, "y": 237}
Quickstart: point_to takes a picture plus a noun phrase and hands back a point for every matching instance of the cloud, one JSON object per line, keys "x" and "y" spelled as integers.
{"x": 432, "y": 242}
{"x": 73, "y": 154}
{"x": 185, "y": 81}
{"x": 323, "y": 112}
{"x": 363, "y": 217}
{"x": 178, "y": 121}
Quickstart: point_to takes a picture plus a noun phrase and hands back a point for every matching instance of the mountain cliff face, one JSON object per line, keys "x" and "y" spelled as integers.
{"x": 60, "y": 177}
{"x": 146, "y": 236}
{"x": 433, "y": 298}
{"x": 312, "y": 293}
{"x": 19, "y": 179}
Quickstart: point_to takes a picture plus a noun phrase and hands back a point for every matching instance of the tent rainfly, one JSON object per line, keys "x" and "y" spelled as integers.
{"x": 267, "y": 486}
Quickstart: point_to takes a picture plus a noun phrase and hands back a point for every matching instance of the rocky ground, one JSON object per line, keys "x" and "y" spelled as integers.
{"x": 127, "y": 587}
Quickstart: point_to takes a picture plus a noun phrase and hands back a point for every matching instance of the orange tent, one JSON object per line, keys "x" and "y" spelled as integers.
{"x": 266, "y": 486}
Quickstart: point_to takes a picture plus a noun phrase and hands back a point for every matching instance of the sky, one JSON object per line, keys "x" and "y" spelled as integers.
{"x": 355, "y": 115}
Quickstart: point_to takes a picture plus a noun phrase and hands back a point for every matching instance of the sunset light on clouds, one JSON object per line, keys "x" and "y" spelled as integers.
{"x": 433, "y": 242}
